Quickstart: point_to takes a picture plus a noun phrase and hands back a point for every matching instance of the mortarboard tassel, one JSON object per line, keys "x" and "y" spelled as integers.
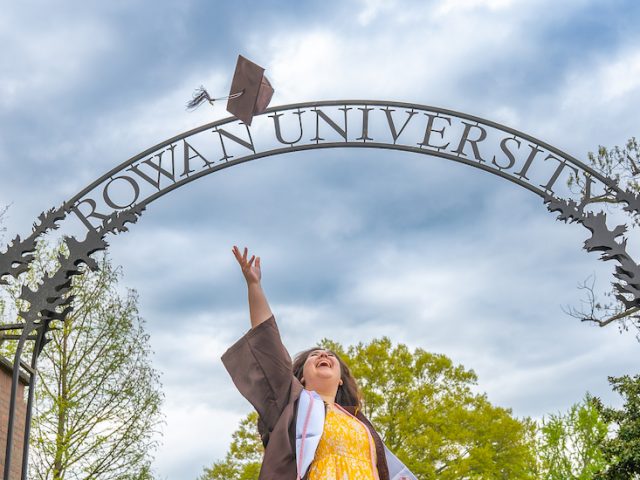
{"x": 200, "y": 95}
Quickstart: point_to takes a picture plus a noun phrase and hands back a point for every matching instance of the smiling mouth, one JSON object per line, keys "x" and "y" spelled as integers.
{"x": 323, "y": 363}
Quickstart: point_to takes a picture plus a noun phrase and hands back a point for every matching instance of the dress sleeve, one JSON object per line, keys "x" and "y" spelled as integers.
{"x": 261, "y": 369}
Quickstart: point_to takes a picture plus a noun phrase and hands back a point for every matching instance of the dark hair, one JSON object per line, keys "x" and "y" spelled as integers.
{"x": 348, "y": 394}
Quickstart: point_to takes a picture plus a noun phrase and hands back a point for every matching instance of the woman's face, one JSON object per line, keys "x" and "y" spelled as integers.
{"x": 321, "y": 366}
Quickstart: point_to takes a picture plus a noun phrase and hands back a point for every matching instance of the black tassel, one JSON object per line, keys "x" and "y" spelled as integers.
{"x": 199, "y": 96}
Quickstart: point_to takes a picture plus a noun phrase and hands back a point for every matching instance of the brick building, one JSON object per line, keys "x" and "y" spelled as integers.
{"x": 6, "y": 369}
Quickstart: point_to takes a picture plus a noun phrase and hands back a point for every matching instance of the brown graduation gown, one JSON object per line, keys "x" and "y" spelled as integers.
{"x": 261, "y": 369}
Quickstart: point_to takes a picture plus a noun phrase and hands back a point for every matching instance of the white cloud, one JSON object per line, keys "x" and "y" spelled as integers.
{"x": 33, "y": 72}
{"x": 464, "y": 61}
{"x": 402, "y": 13}
{"x": 610, "y": 81}
{"x": 449, "y": 6}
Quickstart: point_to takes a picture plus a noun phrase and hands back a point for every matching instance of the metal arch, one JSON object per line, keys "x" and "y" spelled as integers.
{"x": 51, "y": 301}
{"x": 371, "y": 145}
{"x": 336, "y": 103}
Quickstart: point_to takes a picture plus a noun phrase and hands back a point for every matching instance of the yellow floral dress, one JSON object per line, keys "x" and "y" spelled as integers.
{"x": 345, "y": 451}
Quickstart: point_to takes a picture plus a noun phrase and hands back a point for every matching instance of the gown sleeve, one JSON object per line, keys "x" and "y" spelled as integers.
{"x": 261, "y": 369}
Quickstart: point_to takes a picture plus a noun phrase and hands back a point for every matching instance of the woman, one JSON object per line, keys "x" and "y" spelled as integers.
{"x": 309, "y": 411}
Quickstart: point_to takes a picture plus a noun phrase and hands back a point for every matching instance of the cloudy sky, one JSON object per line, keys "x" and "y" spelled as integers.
{"x": 355, "y": 243}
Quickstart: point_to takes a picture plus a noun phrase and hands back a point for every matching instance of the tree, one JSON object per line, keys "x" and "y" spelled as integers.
{"x": 426, "y": 413}
{"x": 622, "y": 449}
{"x": 97, "y": 397}
{"x": 570, "y": 444}
{"x": 622, "y": 164}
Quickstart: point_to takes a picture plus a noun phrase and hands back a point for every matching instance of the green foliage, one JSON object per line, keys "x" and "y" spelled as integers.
{"x": 423, "y": 407}
{"x": 97, "y": 397}
{"x": 621, "y": 164}
{"x": 425, "y": 410}
{"x": 244, "y": 457}
{"x": 622, "y": 448}
{"x": 570, "y": 444}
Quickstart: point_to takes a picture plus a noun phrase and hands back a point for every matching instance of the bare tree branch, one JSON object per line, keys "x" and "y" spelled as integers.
{"x": 621, "y": 164}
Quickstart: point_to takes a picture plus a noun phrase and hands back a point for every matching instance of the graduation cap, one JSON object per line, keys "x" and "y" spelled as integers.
{"x": 250, "y": 92}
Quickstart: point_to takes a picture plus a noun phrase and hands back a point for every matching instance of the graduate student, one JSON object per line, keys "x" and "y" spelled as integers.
{"x": 310, "y": 417}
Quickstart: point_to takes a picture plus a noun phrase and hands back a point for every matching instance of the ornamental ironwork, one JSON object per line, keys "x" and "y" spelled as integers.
{"x": 121, "y": 195}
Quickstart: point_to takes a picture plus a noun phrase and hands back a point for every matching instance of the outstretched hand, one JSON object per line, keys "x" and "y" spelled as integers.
{"x": 250, "y": 270}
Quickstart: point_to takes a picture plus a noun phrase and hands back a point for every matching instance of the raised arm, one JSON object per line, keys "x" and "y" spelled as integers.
{"x": 258, "y": 363}
{"x": 259, "y": 309}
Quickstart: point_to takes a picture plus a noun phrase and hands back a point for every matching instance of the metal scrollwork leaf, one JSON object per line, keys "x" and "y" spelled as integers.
{"x": 604, "y": 240}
